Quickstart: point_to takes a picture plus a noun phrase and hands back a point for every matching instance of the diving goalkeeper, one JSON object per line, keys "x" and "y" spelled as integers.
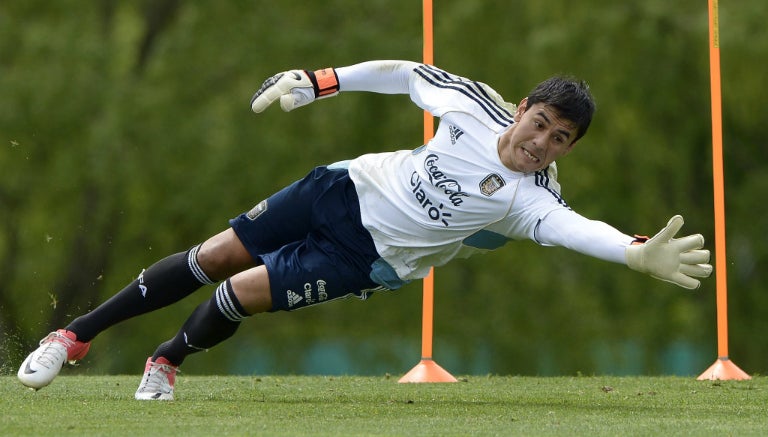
{"x": 380, "y": 220}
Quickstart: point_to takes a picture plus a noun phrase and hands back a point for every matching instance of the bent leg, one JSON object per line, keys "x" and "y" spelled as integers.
{"x": 167, "y": 281}
{"x": 163, "y": 283}
{"x": 310, "y": 247}
{"x": 217, "y": 319}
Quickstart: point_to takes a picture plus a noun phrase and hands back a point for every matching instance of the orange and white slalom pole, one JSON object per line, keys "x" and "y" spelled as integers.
{"x": 428, "y": 370}
{"x": 723, "y": 368}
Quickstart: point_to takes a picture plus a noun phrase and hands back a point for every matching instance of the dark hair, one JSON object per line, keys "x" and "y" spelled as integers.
{"x": 570, "y": 97}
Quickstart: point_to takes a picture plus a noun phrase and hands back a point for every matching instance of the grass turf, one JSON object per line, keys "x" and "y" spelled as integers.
{"x": 351, "y": 405}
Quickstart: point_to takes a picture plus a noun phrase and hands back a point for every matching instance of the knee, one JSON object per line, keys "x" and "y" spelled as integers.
{"x": 223, "y": 255}
{"x": 252, "y": 290}
{"x": 212, "y": 262}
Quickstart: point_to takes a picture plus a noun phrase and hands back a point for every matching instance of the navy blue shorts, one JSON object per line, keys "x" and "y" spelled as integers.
{"x": 310, "y": 238}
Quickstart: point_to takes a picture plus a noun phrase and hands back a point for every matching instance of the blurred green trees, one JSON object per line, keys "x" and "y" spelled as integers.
{"x": 125, "y": 135}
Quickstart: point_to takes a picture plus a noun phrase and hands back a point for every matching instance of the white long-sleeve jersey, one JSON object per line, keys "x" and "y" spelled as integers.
{"x": 453, "y": 197}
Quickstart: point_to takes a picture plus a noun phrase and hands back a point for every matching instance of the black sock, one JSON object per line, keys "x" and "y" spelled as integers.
{"x": 211, "y": 323}
{"x": 163, "y": 283}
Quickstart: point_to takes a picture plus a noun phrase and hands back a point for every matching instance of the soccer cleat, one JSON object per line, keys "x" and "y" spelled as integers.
{"x": 158, "y": 380}
{"x": 42, "y": 365}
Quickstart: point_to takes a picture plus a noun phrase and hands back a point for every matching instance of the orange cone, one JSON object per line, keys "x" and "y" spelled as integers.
{"x": 724, "y": 369}
{"x": 427, "y": 371}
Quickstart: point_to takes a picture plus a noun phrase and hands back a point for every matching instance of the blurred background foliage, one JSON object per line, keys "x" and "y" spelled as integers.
{"x": 125, "y": 136}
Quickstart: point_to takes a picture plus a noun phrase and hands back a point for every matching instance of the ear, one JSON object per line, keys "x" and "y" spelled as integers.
{"x": 521, "y": 108}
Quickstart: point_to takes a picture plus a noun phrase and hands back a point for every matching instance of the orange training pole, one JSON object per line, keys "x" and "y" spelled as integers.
{"x": 427, "y": 370}
{"x": 723, "y": 368}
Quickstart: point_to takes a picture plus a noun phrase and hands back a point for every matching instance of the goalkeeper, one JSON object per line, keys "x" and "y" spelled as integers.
{"x": 380, "y": 220}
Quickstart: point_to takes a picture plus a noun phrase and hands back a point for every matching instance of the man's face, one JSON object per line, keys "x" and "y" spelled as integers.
{"x": 537, "y": 139}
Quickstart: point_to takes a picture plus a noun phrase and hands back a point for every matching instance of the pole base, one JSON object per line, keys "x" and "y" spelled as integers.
{"x": 723, "y": 369}
{"x": 427, "y": 371}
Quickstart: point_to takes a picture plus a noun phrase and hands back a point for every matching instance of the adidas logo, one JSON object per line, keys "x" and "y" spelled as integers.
{"x": 455, "y": 133}
{"x": 293, "y": 298}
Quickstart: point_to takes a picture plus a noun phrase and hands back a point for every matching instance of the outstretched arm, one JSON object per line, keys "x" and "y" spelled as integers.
{"x": 297, "y": 88}
{"x": 663, "y": 257}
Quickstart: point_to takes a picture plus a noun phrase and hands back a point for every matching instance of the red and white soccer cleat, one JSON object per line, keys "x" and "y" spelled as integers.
{"x": 158, "y": 380}
{"x": 42, "y": 365}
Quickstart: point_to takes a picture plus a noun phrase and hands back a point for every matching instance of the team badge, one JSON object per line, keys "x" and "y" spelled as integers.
{"x": 491, "y": 184}
{"x": 257, "y": 210}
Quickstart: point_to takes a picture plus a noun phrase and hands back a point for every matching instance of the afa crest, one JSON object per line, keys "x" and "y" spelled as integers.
{"x": 491, "y": 184}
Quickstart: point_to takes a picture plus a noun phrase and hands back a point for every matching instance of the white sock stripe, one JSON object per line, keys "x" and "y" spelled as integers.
{"x": 220, "y": 303}
{"x": 224, "y": 303}
{"x": 231, "y": 303}
{"x": 195, "y": 267}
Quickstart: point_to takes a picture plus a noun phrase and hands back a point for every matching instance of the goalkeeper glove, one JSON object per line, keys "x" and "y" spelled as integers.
{"x": 671, "y": 259}
{"x": 295, "y": 88}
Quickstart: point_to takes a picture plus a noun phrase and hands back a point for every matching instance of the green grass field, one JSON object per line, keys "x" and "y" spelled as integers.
{"x": 358, "y": 406}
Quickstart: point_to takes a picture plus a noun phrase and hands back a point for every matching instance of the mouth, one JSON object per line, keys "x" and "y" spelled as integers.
{"x": 530, "y": 156}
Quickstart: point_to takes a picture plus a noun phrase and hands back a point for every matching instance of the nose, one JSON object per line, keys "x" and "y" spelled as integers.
{"x": 540, "y": 141}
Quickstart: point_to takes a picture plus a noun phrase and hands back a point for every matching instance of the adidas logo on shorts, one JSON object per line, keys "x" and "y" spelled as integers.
{"x": 293, "y": 298}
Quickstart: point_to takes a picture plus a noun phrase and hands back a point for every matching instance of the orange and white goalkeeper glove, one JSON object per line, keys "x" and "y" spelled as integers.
{"x": 675, "y": 260}
{"x": 295, "y": 88}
